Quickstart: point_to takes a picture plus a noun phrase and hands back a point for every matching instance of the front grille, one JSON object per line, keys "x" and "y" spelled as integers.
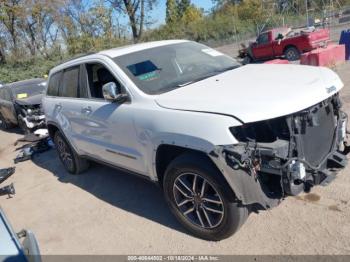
{"x": 317, "y": 133}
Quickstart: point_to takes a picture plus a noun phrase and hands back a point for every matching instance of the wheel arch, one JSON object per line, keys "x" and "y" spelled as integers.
{"x": 52, "y": 128}
{"x": 166, "y": 153}
{"x": 289, "y": 46}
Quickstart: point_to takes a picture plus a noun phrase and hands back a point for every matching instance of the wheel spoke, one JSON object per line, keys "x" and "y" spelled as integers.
{"x": 200, "y": 218}
{"x": 189, "y": 211}
{"x": 207, "y": 217}
{"x": 213, "y": 210}
{"x": 181, "y": 191}
{"x": 185, "y": 186}
{"x": 184, "y": 202}
{"x": 203, "y": 188}
{"x": 194, "y": 184}
{"x": 212, "y": 201}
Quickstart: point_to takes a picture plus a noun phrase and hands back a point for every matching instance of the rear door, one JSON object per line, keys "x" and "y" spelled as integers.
{"x": 68, "y": 104}
{"x": 263, "y": 47}
{"x": 7, "y": 108}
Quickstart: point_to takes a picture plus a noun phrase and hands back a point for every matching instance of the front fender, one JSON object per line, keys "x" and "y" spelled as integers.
{"x": 193, "y": 130}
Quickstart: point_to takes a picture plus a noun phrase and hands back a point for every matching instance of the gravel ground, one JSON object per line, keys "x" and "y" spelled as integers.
{"x": 105, "y": 211}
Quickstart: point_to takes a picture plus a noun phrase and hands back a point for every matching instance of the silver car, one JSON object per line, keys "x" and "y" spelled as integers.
{"x": 221, "y": 139}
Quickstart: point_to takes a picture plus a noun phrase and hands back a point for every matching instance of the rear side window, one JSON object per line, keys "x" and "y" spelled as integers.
{"x": 70, "y": 82}
{"x": 53, "y": 86}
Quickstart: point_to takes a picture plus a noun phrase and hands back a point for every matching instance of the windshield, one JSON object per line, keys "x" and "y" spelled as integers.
{"x": 28, "y": 90}
{"x": 162, "y": 69}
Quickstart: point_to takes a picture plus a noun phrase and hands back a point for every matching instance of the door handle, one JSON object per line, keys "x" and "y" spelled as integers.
{"x": 86, "y": 110}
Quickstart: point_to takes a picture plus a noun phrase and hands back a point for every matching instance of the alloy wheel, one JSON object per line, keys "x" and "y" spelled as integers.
{"x": 198, "y": 200}
{"x": 64, "y": 153}
{"x": 292, "y": 55}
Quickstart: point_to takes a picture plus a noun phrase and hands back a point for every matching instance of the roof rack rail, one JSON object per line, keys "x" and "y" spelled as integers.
{"x": 76, "y": 57}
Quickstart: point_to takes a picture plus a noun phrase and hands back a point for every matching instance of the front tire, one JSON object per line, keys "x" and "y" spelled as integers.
{"x": 247, "y": 60}
{"x": 198, "y": 197}
{"x": 72, "y": 162}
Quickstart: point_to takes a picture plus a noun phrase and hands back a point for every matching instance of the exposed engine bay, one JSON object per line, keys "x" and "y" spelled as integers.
{"x": 30, "y": 116}
{"x": 286, "y": 155}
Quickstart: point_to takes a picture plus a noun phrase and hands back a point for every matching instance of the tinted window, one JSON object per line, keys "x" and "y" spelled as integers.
{"x": 83, "y": 86}
{"x": 53, "y": 86}
{"x": 70, "y": 82}
{"x": 263, "y": 38}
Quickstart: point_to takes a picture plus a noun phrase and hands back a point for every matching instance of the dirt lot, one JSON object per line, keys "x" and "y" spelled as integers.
{"x": 107, "y": 212}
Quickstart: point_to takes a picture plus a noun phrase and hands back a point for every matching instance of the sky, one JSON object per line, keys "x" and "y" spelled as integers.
{"x": 159, "y": 13}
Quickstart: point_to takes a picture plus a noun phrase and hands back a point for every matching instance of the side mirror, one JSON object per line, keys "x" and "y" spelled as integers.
{"x": 111, "y": 93}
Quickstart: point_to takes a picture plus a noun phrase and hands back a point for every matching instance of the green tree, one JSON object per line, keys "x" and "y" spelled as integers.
{"x": 9, "y": 13}
{"x": 191, "y": 15}
{"x": 182, "y": 6}
{"x": 171, "y": 11}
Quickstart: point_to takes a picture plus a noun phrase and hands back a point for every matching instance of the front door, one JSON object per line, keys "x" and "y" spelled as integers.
{"x": 262, "y": 49}
{"x": 109, "y": 133}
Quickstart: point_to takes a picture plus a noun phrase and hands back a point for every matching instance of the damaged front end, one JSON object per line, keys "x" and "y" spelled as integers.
{"x": 286, "y": 155}
{"x": 30, "y": 115}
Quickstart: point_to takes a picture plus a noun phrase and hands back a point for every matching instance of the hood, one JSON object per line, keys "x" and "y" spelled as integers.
{"x": 30, "y": 101}
{"x": 256, "y": 92}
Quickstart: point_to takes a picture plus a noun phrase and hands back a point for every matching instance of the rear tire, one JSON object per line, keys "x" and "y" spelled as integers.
{"x": 213, "y": 217}
{"x": 292, "y": 54}
{"x": 72, "y": 162}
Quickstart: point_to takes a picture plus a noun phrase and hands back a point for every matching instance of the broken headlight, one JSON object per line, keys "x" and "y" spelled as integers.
{"x": 266, "y": 131}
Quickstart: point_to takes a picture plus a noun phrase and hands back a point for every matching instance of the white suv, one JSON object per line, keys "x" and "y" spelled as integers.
{"x": 221, "y": 139}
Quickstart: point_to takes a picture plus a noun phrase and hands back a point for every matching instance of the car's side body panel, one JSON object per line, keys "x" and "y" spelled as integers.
{"x": 7, "y": 108}
{"x": 128, "y": 135}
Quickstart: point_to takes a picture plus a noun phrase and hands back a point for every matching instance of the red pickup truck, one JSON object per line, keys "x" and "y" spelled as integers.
{"x": 285, "y": 42}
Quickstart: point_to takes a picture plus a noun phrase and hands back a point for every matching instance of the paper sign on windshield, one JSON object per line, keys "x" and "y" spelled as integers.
{"x": 22, "y": 95}
{"x": 211, "y": 52}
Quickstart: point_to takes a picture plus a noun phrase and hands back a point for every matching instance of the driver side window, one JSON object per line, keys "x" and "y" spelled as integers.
{"x": 97, "y": 76}
{"x": 263, "y": 39}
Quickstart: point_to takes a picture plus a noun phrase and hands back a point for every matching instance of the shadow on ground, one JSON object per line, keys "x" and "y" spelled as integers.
{"x": 14, "y": 130}
{"x": 122, "y": 190}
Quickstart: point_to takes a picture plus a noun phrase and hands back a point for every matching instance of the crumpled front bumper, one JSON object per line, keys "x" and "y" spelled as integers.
{"x": 264, "y": 173}
{"x": 32, "y": 122}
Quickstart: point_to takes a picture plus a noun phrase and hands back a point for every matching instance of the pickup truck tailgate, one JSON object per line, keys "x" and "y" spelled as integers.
{"x": 320, "y": 35}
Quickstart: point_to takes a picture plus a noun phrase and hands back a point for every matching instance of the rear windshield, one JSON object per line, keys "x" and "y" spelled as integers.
{"x": 28, "y": 90}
